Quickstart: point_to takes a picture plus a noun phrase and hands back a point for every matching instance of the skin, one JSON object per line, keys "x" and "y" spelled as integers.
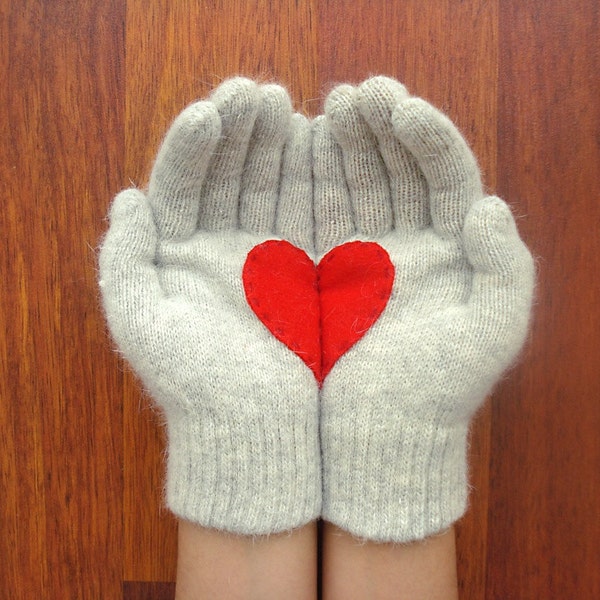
{"x": 357, "y": 570}
{"x": 215, "y": 564}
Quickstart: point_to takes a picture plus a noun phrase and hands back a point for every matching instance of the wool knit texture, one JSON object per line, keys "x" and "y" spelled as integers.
{"x": 241, "y": 410}
{"x": 395, "y": 409}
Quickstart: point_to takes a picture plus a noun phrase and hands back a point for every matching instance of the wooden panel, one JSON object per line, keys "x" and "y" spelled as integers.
{"x": 544, "y": 536}
{"x": 61, "y": 110}
{"x": 88, "y": 90}
{"x": 446, "y": 52}
{"x": 176, "y": 53}
{"x": 144, "y": 590}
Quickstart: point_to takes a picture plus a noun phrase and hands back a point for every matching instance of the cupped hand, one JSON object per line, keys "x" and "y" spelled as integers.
{"x": 392, "y": 170}
{"x": 241, "y": 410}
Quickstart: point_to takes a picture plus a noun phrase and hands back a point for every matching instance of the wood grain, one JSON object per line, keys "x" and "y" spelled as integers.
{"x": 88, "y": 91}
{"x": 144, "y": 590}
{"x": 61, "y": 153}
{"x": 545, "y": 482}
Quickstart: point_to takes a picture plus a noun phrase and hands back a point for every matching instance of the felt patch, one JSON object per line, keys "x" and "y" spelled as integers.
{"x": 280, "y": 282}
{"x": 318, "y": 312}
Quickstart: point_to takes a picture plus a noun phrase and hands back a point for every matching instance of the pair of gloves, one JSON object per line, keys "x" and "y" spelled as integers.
{"x": 317, "y": 307}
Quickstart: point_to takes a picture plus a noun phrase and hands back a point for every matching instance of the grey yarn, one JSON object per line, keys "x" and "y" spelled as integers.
{"x": 241, "y": 409}
{"x": 395, "y": 409}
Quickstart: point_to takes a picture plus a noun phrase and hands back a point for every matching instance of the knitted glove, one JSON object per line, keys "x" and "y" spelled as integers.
{"x": 241, "y": 410}
{"x": 452, "y": 294}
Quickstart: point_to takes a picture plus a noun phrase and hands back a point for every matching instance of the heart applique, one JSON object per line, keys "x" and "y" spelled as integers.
{"x": 318, "y": 312}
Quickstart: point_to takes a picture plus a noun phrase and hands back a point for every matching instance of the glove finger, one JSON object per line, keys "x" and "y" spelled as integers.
{"x": 333, "y": 212}
{"x": 295, "y": 218}
{"x": 180, "y": 168}
{"x": 262, "y": 170}
{"x": 377, "y": 98}
{"x": 129, "y": 282}
{"x": 503, "y": 277}
{"x": 364, "y": 168}
{"x": 444, "y": 158}
{"x": 237, "y": 102}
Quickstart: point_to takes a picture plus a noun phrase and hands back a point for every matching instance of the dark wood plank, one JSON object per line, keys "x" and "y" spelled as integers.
{"x": 61, "y": 106}
{"x": 176, "y": 53}
{"x": 22, "y": 519}
{"x": 544, "y": 539}
{"x": 144, "y": 590}
{"x": 446, "y": 52}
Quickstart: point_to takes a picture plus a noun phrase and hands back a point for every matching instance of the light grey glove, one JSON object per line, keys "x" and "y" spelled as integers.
{"x": 241, "y": 409}
{"x": 396, "y": 406}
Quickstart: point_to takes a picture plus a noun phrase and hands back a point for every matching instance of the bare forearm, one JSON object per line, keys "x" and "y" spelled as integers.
{"x": 357, "y": 570}
{"x": 214, "y": 564}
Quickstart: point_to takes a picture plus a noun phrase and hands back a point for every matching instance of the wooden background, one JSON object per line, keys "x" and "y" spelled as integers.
{"x": 87, "y": 89}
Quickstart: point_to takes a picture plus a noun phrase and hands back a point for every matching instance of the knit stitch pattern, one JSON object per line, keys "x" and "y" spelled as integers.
{"x": 395, "y": 409}
{"x": 241, "y": 410}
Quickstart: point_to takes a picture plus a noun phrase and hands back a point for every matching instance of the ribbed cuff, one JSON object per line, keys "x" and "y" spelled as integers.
{"x": 391, "y": 485}
{"x": 254, "y": 474}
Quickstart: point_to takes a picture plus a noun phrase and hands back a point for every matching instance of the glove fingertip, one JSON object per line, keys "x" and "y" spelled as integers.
{"x": 495, "y": 248}
{"x": 125, "y": 205}
{"x": 132, "y": 232}
{"x": 377, "y": 98}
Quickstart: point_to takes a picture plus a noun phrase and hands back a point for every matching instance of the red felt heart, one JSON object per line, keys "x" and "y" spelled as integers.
{"x": 318, "y": 312}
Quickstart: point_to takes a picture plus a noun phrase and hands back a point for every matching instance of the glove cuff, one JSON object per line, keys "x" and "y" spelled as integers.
{"x": 254, "y": 474}
{"x": 391, "y": 485}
